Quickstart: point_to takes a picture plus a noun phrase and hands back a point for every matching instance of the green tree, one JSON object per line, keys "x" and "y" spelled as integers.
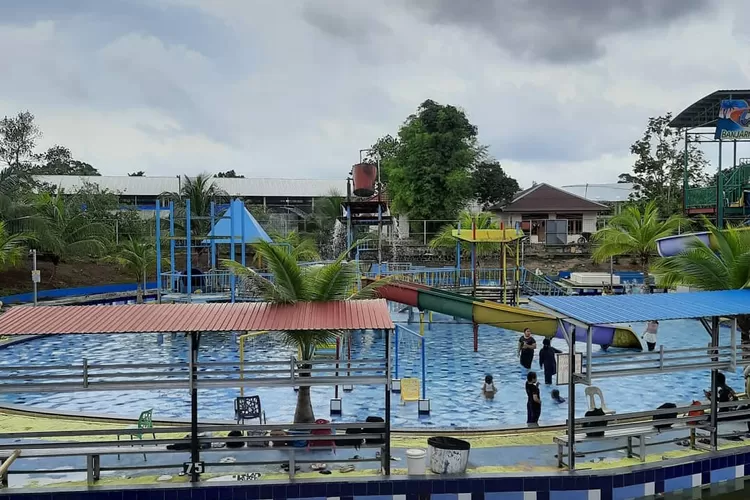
{"x": 659, "y": 166}
{"x": 12, "y": 247}
{"x": 18, "y": 138}
{"x": 230, "y": 174}
{"x": 65, "y": 230}
{"x": 492, "y": 185}
{"x": 58, "y": 160}
{"x": 139, "y": 173}
{"x": 136, "y": 257}
{"x": 483, "y": 220}
{"x": 723, "y": 266}
{"x": 634, "y": 232}
{"x": 429, "y": 175}
{"x": 291, "y": 284}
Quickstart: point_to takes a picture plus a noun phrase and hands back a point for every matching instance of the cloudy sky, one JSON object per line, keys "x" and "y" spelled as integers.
{"x": 558, "y": 88}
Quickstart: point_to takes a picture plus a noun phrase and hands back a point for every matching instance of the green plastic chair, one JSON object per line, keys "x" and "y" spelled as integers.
{"x": 145, "y": 422}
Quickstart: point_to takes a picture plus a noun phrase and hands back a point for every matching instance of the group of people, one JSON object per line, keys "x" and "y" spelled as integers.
{"x": 547, "y": 363}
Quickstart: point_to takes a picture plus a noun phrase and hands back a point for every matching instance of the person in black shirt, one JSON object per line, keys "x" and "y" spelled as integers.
{"x": 547, "y": 361}
{"x": 724, "y": 392}
{"x": 534, "y": 403}
{"x": 526, "y": 347}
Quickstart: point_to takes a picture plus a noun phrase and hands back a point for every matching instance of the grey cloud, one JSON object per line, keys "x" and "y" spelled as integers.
{"x": 557, "y": 31}
{"x": 351, "y": 27}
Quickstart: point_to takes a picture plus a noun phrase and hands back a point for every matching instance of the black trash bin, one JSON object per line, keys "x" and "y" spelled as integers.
{"x": 448, "y": 455}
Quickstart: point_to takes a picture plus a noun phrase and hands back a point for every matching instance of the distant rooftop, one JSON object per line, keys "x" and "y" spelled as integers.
{"x": 249, "y": 187}
{"x": 602, "y": 193}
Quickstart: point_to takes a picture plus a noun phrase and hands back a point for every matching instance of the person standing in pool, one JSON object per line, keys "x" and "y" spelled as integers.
{"x": 652, "y": 327}
{"x": 526, "y": 348}
{"x": 534, "y": 402}
{"x": 547, "y": 361}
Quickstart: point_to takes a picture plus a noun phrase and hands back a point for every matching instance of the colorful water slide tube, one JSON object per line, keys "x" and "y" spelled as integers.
{"x": 673, "y": 245}
{"x": 491, "y": 313}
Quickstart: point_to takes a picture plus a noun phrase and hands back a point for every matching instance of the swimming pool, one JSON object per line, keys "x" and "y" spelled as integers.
{"x": 454, "y": 376}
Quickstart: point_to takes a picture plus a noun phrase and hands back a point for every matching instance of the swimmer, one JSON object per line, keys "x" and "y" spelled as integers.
{"x": 488, "y": 388}
{"x": 526, "y": 348}
{"x": 556, "y": 397}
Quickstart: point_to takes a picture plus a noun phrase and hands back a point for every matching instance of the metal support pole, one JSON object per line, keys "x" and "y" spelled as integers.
{"x": 476, "y": 337}
{"x": 243, "y": 247}
{"x": 338, "y": 356}
{"x": 421, "y": 323}
{"x": 458, "y": 257}
{"x": 172, "y": 276}
{"x": 232, "y": 277}
{"x": 34, "y": 278}
{"x": 733, "y": 341}
{"x": 213, "y": 236}
{"x": 714, "y": 388}
{"x": 189, "y": 250}
{"x": 720, "y": 190}
{"x": 424, "y": 368}
{"x": 387, "y": 446}
{"x": 589, "y": 348}
{"x": 424, "y": 229}
{"x": 685, "y": 179}
{"x": 571, "y": 397}
{"x": 395, "y": 352}
{"x": 380, "y": 231}
{"x": 195, "y": 453}
{"x": 158, "y": 252}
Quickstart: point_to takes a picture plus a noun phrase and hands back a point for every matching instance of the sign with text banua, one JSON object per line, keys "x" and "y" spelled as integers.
{"x": 734, "y": 120}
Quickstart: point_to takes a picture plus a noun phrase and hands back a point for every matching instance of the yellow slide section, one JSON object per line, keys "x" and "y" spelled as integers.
{"x": 516, "y": 319}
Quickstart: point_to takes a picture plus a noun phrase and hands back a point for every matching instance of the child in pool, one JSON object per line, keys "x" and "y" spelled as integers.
{"x": 556, "y": 397}
{"x": 488, "y": 388}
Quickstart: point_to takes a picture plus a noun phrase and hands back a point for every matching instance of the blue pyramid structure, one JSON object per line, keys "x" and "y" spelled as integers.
{"x": 246, "y": 228}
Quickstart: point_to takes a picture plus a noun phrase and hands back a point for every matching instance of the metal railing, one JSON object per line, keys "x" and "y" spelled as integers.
{"x": 148, "y": 376}
{"x": 283, "y": 438}
{"x": 664, "y": 361}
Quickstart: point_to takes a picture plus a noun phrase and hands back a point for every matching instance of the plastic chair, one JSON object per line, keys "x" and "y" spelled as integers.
{"x": 591, "y": 393}
{"x": 248, "y": 408}
{"x": 145, "y": 422}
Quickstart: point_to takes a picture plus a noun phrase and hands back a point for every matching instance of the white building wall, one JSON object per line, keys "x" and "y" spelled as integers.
{"x": 589, "y": 223}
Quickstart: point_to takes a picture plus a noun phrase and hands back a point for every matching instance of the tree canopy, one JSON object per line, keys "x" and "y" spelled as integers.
{"x": 659, "y": 166}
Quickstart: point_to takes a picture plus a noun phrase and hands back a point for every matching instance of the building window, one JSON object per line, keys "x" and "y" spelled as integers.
{"x": 575, "y": 226}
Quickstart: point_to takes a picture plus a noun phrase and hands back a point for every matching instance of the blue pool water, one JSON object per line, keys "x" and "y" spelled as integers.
{"x": 454, "y": 376}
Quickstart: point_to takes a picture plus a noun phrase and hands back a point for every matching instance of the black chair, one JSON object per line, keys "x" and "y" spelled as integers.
{"x": 248, "y": 408}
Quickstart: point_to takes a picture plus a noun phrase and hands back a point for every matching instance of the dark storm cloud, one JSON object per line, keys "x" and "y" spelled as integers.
{"x": 557, "y": 31}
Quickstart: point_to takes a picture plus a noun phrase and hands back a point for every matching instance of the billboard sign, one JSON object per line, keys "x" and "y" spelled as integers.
{"x": 734, "y": 120}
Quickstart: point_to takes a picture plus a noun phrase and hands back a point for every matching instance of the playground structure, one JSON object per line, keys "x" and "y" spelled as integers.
{"x": 409, "y": 388}
{"x": 718, "y": 118}
{"x": 235, "y": 227}
{"x": 504, "y": 237}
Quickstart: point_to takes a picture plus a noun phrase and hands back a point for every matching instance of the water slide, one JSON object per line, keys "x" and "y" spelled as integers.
{"x": 674, "y": 245}
{"x": 491, "y": 313}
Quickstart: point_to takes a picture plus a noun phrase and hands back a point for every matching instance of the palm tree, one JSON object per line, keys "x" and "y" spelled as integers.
{"x": 11, "y": 247}
{"x": 201, "y": 190}
{"x": 301, "y": 248}
{"x": 323, "y": 218}
{"x": 292, "y": 283}
{"x": 137, "y": 257}
{"x": 64, "y": 231}
{"x": 725, "y": 265}
{"x": 634, "y": 231}
{"x": 483, "y": 220}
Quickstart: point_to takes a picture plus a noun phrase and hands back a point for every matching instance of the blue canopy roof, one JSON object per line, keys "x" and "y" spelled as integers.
{"x": 609, "y": 309}
{"x": 237, "y": 223}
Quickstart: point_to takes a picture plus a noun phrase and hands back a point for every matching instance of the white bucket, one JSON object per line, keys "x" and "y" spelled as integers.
{"x": 415, "y": 462}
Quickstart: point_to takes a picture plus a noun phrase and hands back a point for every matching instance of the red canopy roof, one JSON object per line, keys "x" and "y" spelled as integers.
{"x": 176, "y": 318}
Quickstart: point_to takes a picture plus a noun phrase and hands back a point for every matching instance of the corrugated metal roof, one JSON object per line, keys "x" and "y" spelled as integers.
{"x": 609, "y": 309}
{"x": 176, "y": 318}
{"x": 154, "y": 186}
{"x": 603, "y": 193}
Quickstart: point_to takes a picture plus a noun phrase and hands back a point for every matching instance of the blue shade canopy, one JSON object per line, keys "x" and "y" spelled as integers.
{"x": 239, "y": 225}
{"x": 609, "y": 309}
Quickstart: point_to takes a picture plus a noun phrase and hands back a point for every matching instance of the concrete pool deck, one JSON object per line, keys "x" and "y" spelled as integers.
{"x": 511, "y": 451}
